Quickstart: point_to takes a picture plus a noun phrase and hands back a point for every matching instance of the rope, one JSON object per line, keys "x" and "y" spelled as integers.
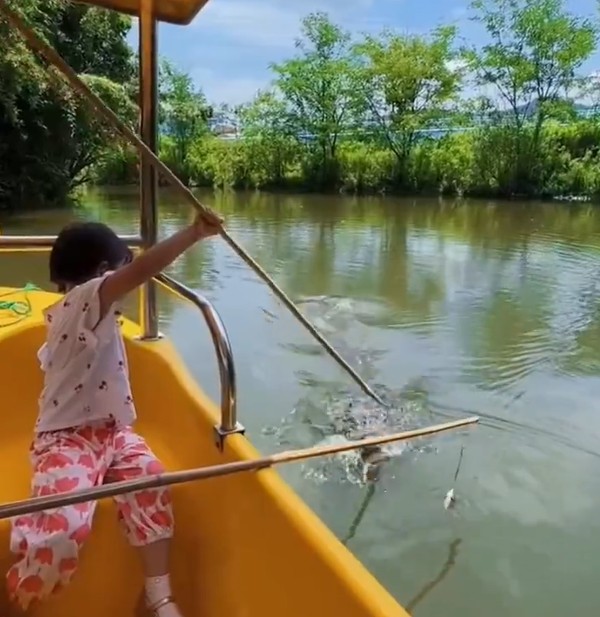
{"x": 21, "y": 309}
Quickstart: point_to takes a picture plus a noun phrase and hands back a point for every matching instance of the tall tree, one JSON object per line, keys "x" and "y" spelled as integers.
{"x": 270, "y": 143}
{"x": 184, "y": 115}
{"x": 320, "y": 89}
{"x": 531, "y": 61}
{"x": 409, "y": 83}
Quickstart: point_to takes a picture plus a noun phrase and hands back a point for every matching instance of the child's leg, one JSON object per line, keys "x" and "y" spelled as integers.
{"x": 47, "y": 543}
{"x": 147, "y": 518}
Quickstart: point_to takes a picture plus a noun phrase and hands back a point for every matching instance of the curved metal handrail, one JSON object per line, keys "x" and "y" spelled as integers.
{"x": 229, "y": 424}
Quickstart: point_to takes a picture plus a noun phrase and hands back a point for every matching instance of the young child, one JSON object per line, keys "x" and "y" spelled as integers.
{"x": 83, "y": 434}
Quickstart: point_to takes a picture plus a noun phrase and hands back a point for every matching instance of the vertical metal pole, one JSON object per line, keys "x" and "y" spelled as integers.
{"x": 148, "y": 178}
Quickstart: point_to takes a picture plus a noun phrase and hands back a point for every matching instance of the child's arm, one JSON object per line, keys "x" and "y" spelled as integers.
{"x": 154, "y": 260}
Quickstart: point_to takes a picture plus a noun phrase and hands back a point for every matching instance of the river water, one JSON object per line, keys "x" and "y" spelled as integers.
{"x": 457, "y": 309}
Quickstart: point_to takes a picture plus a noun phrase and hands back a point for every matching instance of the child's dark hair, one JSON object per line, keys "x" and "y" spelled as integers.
{"x": 81, "y": 249}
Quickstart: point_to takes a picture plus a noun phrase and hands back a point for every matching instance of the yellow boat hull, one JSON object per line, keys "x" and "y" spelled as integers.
{"x": 245, "y": 545}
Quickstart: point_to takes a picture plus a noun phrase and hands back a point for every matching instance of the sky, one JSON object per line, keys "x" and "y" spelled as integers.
{"x": 230, "y": 45}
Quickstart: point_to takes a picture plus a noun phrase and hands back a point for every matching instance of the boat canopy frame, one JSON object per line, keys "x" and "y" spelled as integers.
{"x": 180, "y": 12}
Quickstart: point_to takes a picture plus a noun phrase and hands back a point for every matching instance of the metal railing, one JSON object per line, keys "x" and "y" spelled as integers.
{"x": 229, "y": 424}
{"x": 48, "y": 241}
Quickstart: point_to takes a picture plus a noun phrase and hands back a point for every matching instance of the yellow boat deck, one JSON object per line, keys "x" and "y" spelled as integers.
{"x": 245, "y": 545}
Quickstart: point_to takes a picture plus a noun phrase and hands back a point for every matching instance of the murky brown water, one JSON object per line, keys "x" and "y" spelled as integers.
{"x": 458, "y": 309}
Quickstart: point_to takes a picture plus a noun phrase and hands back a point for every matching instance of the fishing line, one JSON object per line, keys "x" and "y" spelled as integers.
{"x": 450, "y": 498}
{"x": 360, "y": 514}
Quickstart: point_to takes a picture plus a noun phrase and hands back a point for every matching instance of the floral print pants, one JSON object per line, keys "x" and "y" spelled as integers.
{"x": 47, "y": 543}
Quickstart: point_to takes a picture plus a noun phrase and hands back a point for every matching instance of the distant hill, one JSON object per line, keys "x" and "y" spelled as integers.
{"x": 530, "y": 109}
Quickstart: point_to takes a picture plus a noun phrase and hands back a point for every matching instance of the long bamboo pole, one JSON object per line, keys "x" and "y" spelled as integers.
{"x": 38, "y": 504}
{"x": 52, "y": 57}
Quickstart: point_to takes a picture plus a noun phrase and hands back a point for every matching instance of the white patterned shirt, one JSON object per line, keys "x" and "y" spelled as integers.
{"x": 85, "y": 365}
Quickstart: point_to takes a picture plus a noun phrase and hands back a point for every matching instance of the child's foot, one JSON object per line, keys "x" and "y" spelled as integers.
{"x": 164, "y": 608}
{"x": 159, "y": 599}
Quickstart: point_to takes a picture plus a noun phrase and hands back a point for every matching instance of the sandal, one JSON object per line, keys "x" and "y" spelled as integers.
{"x": 153, "y": 608}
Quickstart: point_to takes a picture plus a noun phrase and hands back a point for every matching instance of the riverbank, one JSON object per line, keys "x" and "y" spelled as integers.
{"x": 342, "y": 192}
{"x": 491, "y": 162}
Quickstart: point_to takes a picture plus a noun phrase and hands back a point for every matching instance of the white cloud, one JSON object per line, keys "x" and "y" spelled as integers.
{"x": 231, "y": 90}
{"x": 255, "y": 23}
{"x": 255, "y": 32}
{"x": 271, "y": 23}
{"x": 228, "y": 47}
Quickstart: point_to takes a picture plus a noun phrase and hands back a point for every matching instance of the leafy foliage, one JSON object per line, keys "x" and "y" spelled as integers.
{"x": 184, "y": 114}
{"x": 319, "y": 87}
{"x": 531, "y": 62}
{"x": 409, "y": 84}
{"x": 367, "y": 116}
{"x": 49, "y": 139}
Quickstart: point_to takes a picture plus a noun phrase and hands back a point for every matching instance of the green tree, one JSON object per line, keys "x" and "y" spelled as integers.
{"x": 184, "y": 115}
{"x": 270, "y": 144}
{"x": 410, "y": 83}
{"x": 93, "y": 41}
{"x": 49, "y": 139}
{"x": 319, "y": 87}
{"x": 531, "y": 62}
